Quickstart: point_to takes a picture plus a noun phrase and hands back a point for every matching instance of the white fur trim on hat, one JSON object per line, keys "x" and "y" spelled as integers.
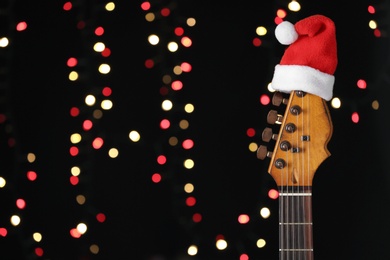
{"x": 299, "y": 77}
{"x": 285, "y": 33}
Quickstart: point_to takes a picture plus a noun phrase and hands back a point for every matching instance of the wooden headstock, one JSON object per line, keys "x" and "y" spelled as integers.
{"x": 301, "y": 144}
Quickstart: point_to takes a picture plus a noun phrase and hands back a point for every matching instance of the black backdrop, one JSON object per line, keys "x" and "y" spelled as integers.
{"x": 150, "y": 221}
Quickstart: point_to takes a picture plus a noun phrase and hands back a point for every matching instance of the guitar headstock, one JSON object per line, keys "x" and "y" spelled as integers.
{"x": 301, "y": 145}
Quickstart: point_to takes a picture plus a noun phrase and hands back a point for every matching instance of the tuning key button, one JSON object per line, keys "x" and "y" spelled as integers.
{"x": 295, "y": 110}
{"x": 262, "y": 152}
{"x": 290, "y": 128}
{"x": 267, "y": 135}
{"x": 273, "y": 117}
{"x": 278, "y": 99}
{"x": 280, "y": 163}
{"x": 285, "y": 146}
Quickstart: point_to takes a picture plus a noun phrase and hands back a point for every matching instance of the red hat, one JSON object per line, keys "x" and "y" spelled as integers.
{"x": 310, "y": 61}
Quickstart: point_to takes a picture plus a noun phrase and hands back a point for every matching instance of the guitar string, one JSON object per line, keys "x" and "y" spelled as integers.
{"x": 304, "y": 129}
{"x": 310, "y": 240}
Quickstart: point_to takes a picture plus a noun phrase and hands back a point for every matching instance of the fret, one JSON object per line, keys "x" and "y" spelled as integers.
{"x": 294, "y": 194}
{"x": 295, "y": 223}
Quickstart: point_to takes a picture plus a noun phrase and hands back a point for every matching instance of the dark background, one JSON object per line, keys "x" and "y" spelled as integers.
{"x": 146, "y": 220}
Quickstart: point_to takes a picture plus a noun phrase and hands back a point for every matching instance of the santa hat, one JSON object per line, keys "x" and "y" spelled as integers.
{"x": 310, "y": 61}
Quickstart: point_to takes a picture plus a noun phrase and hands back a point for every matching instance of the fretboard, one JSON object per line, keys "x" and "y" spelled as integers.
{"x": 295, "y": 223}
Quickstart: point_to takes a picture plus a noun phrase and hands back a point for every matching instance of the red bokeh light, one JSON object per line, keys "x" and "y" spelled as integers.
{"x": 161, "y": 159}
{"x": 87, "y": 125}
{"x": 99, "y": 31}
{"x": 188, "y": 144}
{"x": 71, "y": 62}
{"x": 149, "y": 63}
{"x": 179, "y": 31}
{"x": 74, "y": 111}
{"x": 31, "y": 175}
{"x": 156, "y": 177}
{"x": 273, "y": 194}
{"x": 38, "y": 251}
{"x": 165, "y": 11}
{"x": 74, "y": 151}
{"x": 250, "y": 132}
{"x": 265, "y": 99}
{"x": 197, "y": 217}
{"x": 101, "y": 217}
{"x": 177, "y": 85}
{"x": 107, "y": 91}
{"x": 256, "y": 42}
{"x": 97, "y": 143}
{"x": 20, "y": 203}
{"x": 190, "y": 201}
{"x": 165, "y": 124}
{"x": 74, "y": 180}
{"x": 145, "y": 6}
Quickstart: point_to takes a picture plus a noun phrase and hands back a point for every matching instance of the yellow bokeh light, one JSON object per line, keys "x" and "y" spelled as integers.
{"x": 189, "y": 108}
{"x": 189, "y": 187}
{"x": 37, "y": 237}
{"x": 80, "y": 199}
{"x": 335, "y": 103}
{"x": 73, "y": 76}
{"x": 260, "y": 243}
{"x": 253, "y": 147}
{"x": 75, "y": 138}
{"x": 173, "y": 46}
{"x": 4, "y": 42}
{"x": 31, "y": 157}
{"x": 2, "y": 182}
{"x": 99, "y": 47}
{"x": 294, "y": 6}
{"x": 113, "y": 153}
{"x": 134, "y": 136}
{"x": 150, "y": 17}
{"x": 261, "y": 31}
{"x": 153, "y": 39}
{"x": 192, "y": 250}
{"x": 167, "y": 105}
{"x": 106, "y": 104}
{"x": 110, "y": 6}
{"x": 104, "y": 68}
{"x": 75, "y": 171}
{"x": 265, "y": 212}
{"x": 177, "y": 70}
{"x": 189, "y": 164}
{"x": 94, "y": 249}
{"x": 221, "y": 244}
{"x": 375, "y": 104}
{"x": 191, "y": 22}
{"x": 90, "y": 100}
{"x": 15, "y": 220}
{"x": 269, "y": 87}
{"x": 81, "y": 228}
{"x": 372, "y": 24}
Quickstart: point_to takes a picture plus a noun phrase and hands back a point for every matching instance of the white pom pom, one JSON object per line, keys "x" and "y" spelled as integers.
{"x": 285, "y": 33}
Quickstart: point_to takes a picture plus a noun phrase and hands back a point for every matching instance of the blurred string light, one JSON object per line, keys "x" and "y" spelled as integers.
{"x": 14, "y": 161}
{"x": 176, "y": 146}
{"x": 88, "y": 137}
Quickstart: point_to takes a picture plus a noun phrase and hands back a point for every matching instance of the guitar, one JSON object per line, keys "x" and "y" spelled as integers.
{"x": 300, "y": 148}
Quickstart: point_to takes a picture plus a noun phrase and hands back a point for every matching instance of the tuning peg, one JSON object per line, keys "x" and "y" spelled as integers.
{"x": 262, "y": 152}
{"x": 273, "y": 117}
{"x": 267, "y": 135}
{"x": 278, "y": 99}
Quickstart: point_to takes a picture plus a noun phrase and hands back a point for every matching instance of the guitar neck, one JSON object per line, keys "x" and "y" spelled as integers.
{"x": 295, "y": 223}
